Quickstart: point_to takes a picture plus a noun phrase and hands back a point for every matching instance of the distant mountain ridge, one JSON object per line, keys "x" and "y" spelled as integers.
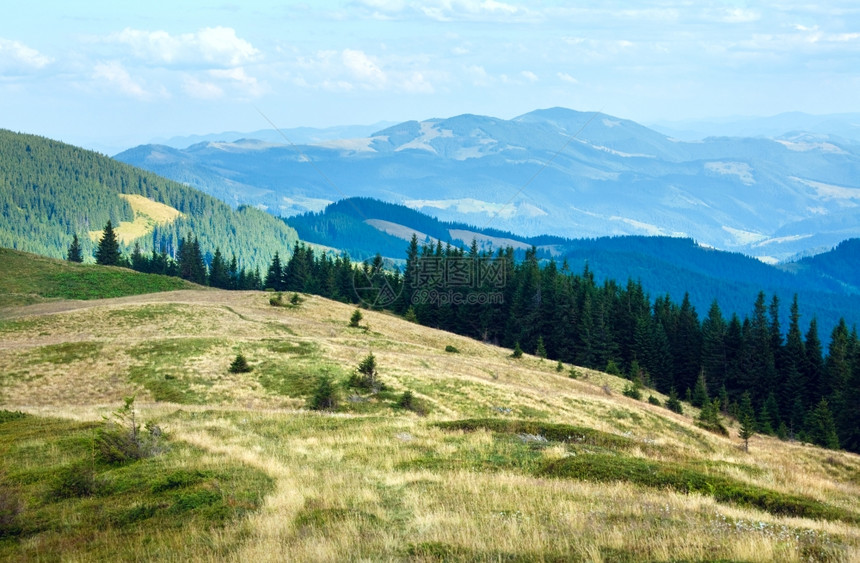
{"x": 828, "y": 284}
{"x": 559, "y": 171}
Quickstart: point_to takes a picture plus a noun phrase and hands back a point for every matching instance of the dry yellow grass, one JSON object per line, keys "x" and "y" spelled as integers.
{"x": 147, "y": 214}
{"x": 359, "y": 487}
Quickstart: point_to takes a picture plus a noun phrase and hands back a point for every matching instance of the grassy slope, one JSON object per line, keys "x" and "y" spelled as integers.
{"x": 615, "y": 479}
{"x": 29, "y": 278}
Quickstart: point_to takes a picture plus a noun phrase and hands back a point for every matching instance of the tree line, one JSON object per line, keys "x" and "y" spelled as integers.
{"x": 795, "y": 388}
{"x": 783, "y": 381}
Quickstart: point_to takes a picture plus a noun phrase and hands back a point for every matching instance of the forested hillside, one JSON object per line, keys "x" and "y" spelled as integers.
{"x": 827, "y": 284}
{"x": 788, "y": 378}
{"x": 50, "y": 191}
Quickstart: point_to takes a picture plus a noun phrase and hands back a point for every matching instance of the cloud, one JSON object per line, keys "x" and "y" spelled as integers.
{"x": 210, "y": 46}
{"x": 529, "y": 75}
{"x": 565, "y": 77}
{"x": 114, "y": 74}
{"x": 444, "y": 10}
{"x": 363, "y": 68}
{"x": 249, "y": 85}
{"x": 202, "y": 90}
{"x": 17, "y": 58}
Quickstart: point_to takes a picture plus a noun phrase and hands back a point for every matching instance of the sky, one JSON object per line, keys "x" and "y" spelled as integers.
{"x": 110, "y": 75}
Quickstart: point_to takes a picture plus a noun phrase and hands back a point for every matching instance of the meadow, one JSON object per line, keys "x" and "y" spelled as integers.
{"x": 503, "y": 459}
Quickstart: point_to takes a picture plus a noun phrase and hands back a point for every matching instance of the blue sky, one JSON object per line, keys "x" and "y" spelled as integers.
{"x": 110, "y": 75}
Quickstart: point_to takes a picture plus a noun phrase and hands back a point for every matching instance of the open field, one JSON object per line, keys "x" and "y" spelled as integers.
{"x": 511, "y": 460}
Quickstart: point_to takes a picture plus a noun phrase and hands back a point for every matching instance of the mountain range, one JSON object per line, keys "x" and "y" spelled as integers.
{"x": 554, "y": 171}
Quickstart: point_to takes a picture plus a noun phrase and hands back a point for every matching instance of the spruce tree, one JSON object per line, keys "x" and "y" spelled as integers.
{"x": 700, "y": 392}
{"x": 746, "y": 417}
{"x": 540, "y": 351}
{"x": 820, "y": 427}
{"x": 74, "y": 254}
{"x": 107, "y": 253}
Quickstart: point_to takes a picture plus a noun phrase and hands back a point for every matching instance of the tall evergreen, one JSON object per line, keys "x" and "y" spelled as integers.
{"x": 107, "y": 252}
{"x": 219, "y": 274}
{"x": 820, "y": 428}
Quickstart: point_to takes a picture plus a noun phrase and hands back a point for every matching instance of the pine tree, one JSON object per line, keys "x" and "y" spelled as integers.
{"x": 107, "y": 253}
{"x": 540, "y": 351}
{"x": 746, "y": 417}
{"x": 324, "y": 396}
{"x": 672, "y": 403}
{"x": 355, "y": 319}
{"x": 700, "y": 392}
{"x": 820, "y": 427}
{"x": 518, "y": 352}
{"x": 219, "y": 275}
{"x": 74, "y": 254}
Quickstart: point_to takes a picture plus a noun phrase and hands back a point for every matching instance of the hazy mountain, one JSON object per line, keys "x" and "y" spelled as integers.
{"x": 298, "y": 135}
{"x": 846, "y": 125}
{"x": 554, "y": 171}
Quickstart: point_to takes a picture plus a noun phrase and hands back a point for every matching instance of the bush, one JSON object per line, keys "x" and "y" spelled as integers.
{"x": 673, "y": 404}
{"x": 295, "y": 300}
{"x": 451, "y": 349}
{"x": 518, "y": 352}
{"x": 74, "y": 481}
{"x": 366, "y": 376}
{"x": 632, "y": 390}
{"x": 122, "y": 440}
{"x": 240, "y": 365}
{"x": 324, "y": 397}
{"x": 559, "y": 367}
{"x": 277, "y": 300}
{"x": 653, "y": 400}
{"x": 355, "y": 319}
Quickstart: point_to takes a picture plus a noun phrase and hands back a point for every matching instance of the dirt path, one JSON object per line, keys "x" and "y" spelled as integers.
{"x": 184, "y": 296}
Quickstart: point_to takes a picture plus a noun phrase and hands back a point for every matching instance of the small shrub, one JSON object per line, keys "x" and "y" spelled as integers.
{"x": 295, "y": 300}
{"x": 366, "y": 376}
{"x": 324, "y": 397}
{"x": 240, "y": 365}
{"x": 632, "y": 390}
{"x": 277, "y": 300}
{"x": 410, "y": 315}
{"x": 559, "y": 367}
{"x": 518, "y": 352}
{"x": 612, "y": 368}
{"x": 451, "y": 349}
{"x": 653, "y": 400}
{"x": 122, "y": 440}
{"x": 74, "y": 481}
{"x": 355, "y": 319}
{"x": 673, "y": 404}
{"x": 573, "y": 373}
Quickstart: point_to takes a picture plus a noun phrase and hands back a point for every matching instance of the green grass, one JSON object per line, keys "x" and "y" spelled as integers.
{"x": 23, "y": 276}
{"x": 162, "y": 371}
{"x": 604, "y": 468}
{"x": 565, "y": 433}
{"x": 64, "y": 501}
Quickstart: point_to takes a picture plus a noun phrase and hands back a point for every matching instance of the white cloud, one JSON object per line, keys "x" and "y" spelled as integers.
{"x": 114, "y": 74}
{"x": 363, "y": 68}
{"x": 565, "y": 77}
{"x": 210, "y": 46}
{"x": 239, "y": 78}
{"x": 16, "y": 58}
{"x": 529, "y": 75}
{"x": 201, "y": 90}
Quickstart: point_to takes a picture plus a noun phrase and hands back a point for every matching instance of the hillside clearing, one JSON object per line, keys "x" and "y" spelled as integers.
{"x": 374, "y": 482}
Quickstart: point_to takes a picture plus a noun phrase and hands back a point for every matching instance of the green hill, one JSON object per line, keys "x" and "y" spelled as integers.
{"x": 28, "y": 278}
{"x": 50, "y": 190}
